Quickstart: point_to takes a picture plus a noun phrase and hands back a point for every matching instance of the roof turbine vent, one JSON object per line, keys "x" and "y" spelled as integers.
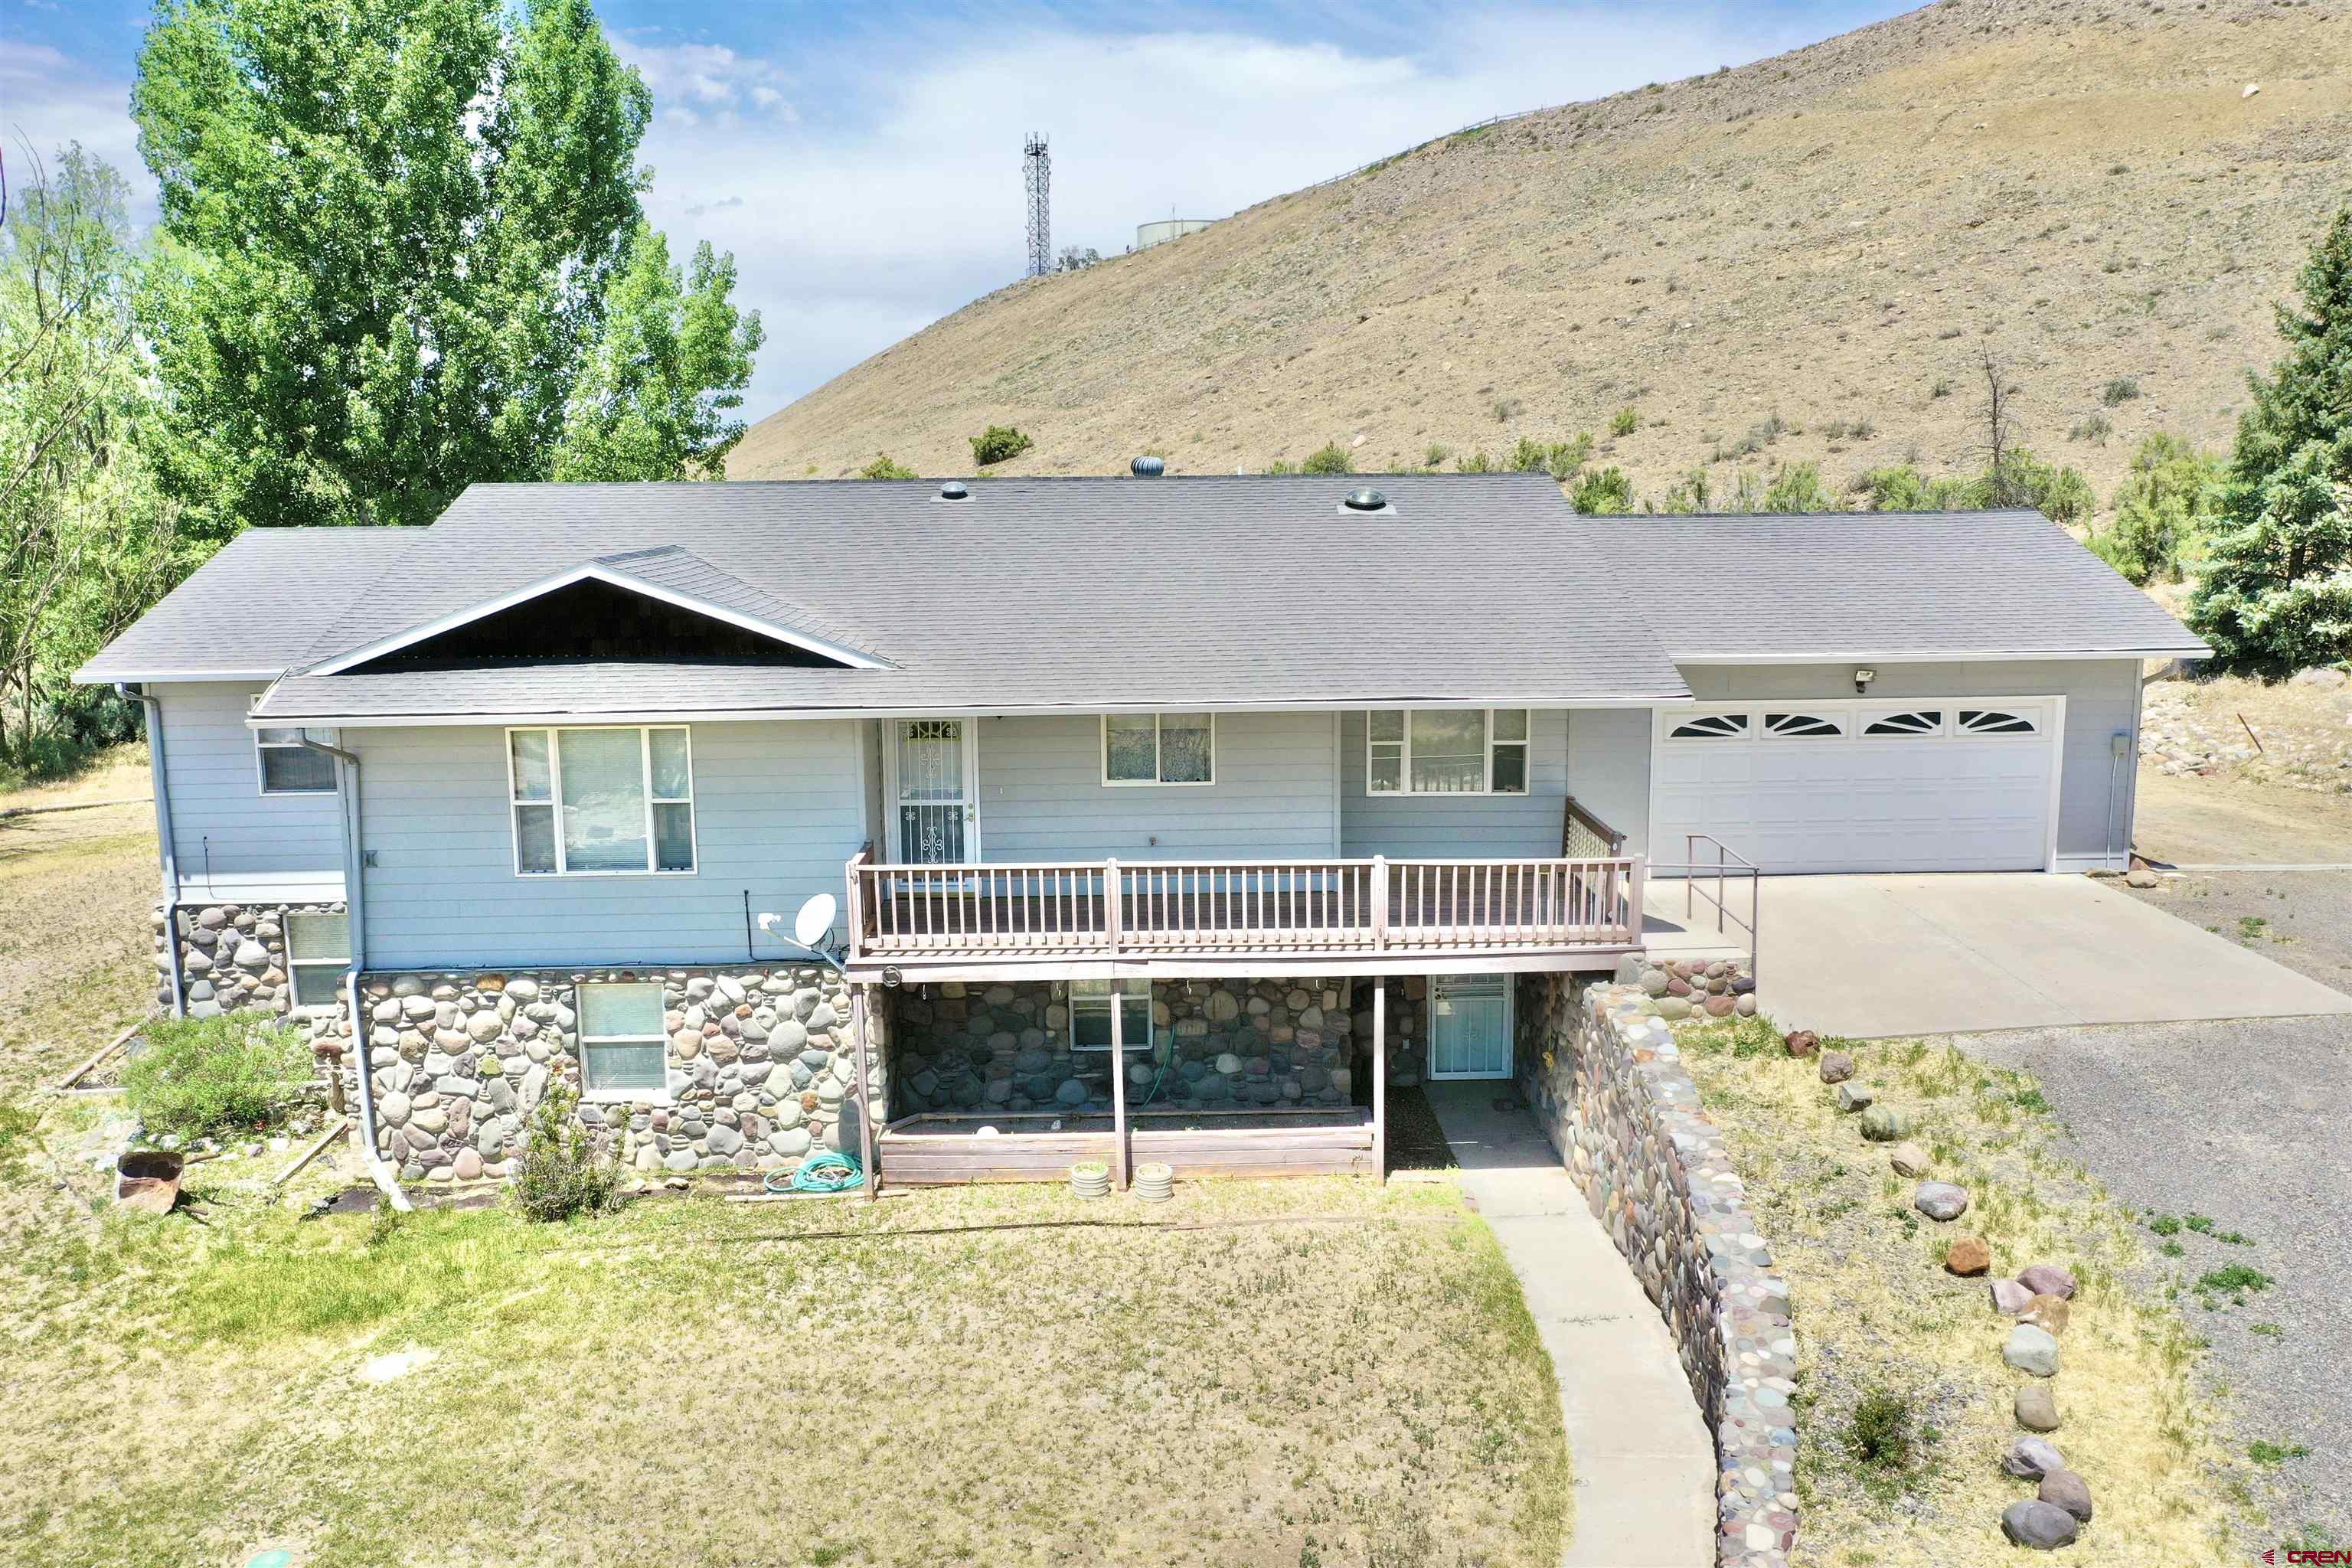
{"x": 955, "y": 490}
{"x": 1365, "y": 499}
{"x": 1147, "y": 467}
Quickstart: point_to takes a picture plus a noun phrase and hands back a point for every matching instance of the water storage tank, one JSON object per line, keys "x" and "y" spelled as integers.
{"x": 1148, "y": 235}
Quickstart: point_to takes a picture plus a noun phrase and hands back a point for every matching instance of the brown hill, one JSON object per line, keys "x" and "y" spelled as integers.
{"x": 1829, "y": 236}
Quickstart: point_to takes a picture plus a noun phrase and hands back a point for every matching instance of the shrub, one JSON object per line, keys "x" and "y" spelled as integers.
{"x": 2097, "y": 427}
{"x": 1941, "y": 389}
{"x": 201, "y": 1077}
{"x": 885, "y": 467}
{"x": 2119, "y": 391}
{"x": 1563, "y": 459}
{"x": 1797, "y": 487}
{"x": 1329, "y": 458}
{"x": 1282, "y": 466}
{"x": 1603, "y": 492}
{"x": 1881, "y": 1434}
{"x": 1624, "y": 422}
{"x": 1435, "y": 455}
{"x": 995, "y": 443}
{"x": 1527, "y": 457}
{"x": 561, "y": 1172}
{"x": 1474, "y": 463}
{"x": 1506, "y": 409}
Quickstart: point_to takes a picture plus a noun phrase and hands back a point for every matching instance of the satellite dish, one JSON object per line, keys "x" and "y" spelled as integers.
{"x": 815, "y": 919}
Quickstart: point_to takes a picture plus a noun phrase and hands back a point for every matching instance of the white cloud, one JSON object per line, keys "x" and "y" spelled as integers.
{"x": 48, "y": 99}
{"x": 849, "y": 232}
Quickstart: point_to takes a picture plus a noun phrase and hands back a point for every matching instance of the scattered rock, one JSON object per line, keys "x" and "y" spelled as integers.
{"x": 2032, "y": 1350}
{"x": 2010, "y": 1298}
{"x": 2043, "y": 1526}
{"x": 2048, "y": 1279}
{"x": 1800, "y": 1042}
{"x": 1940, "y": 1200}
{"x": 1881, "y": 1125}
{"x": 2048, "y": 1312}
{"x": 1836, "y": 1067}
{"x": 1909, "y": 1160}
{"x": 1855, "y": 1095}
{"x": 2065, "y": 1489}
{"x": 2037, "y": 1411}
{"x": 1968, "y": 1256}
{"x": 2031, "y": 1458}
{"x": 2141, "y": 877}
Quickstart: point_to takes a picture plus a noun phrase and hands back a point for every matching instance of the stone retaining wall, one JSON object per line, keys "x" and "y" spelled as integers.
{"x": 761, "y": 1061}
{"x": 1599, "y": 1063}
{"x": 1216, "y": 1044}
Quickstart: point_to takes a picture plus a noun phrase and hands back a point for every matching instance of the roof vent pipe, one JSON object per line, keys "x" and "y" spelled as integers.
{"x": 954, "y": 490}
{"x": 1366, "y": 500}
{"x": 1147, "y": 467}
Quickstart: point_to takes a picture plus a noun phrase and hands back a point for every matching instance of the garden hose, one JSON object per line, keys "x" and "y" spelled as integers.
{"x": 826, "y": 1173}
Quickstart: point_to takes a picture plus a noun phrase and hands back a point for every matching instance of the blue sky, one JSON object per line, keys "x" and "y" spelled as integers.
{"x": 863, "y": 161}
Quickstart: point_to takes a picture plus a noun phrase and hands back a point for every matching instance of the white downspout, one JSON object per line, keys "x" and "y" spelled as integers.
{"x": 347, "y": 787}
{"x": 169, "y": 852}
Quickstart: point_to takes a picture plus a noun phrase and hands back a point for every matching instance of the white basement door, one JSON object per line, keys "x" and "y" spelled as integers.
{"x": 1930, "y": 784}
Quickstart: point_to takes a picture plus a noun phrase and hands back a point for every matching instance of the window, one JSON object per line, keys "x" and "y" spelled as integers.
{"x": 1445, "y": 750}
{"x": 1801, "y": 724}
{"x": 1993, "y": 721}
{"x": 602, "y": 801}
{"x": 1090, "y": 1016}
{"x": 290, "y": 767}
{"x": 1924, "y": 721}
{"x": 1710, "y": 727}
{"x": 1160, "y": 748}
{"x": 318, "y": 950}
{"x": 623, "y": 1047}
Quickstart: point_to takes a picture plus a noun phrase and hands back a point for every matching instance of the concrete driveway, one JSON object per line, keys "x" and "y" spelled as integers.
{"x": 1871, "y": 956}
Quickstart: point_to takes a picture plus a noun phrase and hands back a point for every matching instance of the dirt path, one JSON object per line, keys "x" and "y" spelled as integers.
{"x": 2186, "y": 820}
{"x": 76, "y": 890}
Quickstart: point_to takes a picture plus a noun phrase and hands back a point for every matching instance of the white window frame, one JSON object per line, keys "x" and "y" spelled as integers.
{"x": 1487, "y": 775}
{"x": 659, "y": 1094}
{"x": 1157, "y": 762}
{"x": 294, "y": 966}
{"x": 1135, "y": 991}
{"x": 263, "y": 745}
{"x": 555, "y": 799}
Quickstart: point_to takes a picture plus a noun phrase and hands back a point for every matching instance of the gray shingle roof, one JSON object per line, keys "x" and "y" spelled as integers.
{"x": 1836, "y": 584}
{"x": 1172, "y": 593}
{"x": 1045, "y": 593}
{"x": 255, "y": 607}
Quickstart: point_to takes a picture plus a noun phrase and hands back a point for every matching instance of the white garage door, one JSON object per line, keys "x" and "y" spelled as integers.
{"x": 1950, "y": 784}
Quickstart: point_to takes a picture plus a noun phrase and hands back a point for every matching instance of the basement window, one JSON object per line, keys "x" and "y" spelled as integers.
{"x": 1090, "y": 1003}
{"x": 318, "y": 950}
{"x": 623, "y": 1048}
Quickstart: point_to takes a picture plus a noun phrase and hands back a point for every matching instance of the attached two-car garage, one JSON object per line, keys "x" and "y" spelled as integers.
{"x": 1925, "y": 783}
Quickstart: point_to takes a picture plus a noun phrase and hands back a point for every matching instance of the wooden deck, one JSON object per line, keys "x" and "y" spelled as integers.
{"x": 1328, "y": 913}
{"x": 941, "y": 1149}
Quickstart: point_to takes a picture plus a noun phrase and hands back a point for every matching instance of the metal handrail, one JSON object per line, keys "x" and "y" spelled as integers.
{"x": 1724, "y": 867}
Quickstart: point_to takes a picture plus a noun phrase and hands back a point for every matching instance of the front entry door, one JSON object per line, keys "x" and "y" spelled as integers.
{"x": 932, "y": 772}
{"x": 1469, "y": 1026}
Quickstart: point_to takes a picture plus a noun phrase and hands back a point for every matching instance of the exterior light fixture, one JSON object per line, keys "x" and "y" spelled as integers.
{"x": 1862, "y": 678}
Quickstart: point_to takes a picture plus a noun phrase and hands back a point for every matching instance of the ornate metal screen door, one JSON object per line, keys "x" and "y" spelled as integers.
{"x": 935, "y": 805}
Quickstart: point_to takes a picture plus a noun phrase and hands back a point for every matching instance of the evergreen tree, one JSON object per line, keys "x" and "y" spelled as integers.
{"x": 2276, "y": 590}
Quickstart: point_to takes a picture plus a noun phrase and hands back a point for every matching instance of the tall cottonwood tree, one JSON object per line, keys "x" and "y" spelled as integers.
{"x": 389, "y": 234}
{"x": 2275, "y": 594}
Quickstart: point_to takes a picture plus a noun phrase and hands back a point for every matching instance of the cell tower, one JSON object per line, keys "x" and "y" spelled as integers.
{"x": 1037, "y": 172}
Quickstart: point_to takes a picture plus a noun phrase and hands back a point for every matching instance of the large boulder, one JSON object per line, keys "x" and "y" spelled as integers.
{"x": 2031, "y": 1458}
{"x": 2048, "y": 1279}
{"x": 1940, "y": 1200}
{"x": 2032, "y": 1350}
{"x": 2043, "y": 1526}
{"x": 2065, "y": 1489}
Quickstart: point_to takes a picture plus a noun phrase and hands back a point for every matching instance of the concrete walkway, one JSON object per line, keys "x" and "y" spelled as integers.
{"x": 1965, "y": 952}
{"x": 1643, "y": 1456}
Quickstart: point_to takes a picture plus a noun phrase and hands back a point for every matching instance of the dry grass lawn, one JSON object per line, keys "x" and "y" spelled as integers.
{"x": 1876, "y": 1312}
{"x": 76, "y": 889}
{"x": 1270, "y": 1372}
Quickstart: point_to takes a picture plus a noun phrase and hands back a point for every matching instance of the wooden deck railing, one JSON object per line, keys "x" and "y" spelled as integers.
{"x": 1243, "y": 907}
{"x": 1583, "y": 834}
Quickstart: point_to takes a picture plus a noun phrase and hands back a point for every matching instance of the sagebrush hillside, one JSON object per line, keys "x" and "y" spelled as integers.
{"x": 1829, "y": 236}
